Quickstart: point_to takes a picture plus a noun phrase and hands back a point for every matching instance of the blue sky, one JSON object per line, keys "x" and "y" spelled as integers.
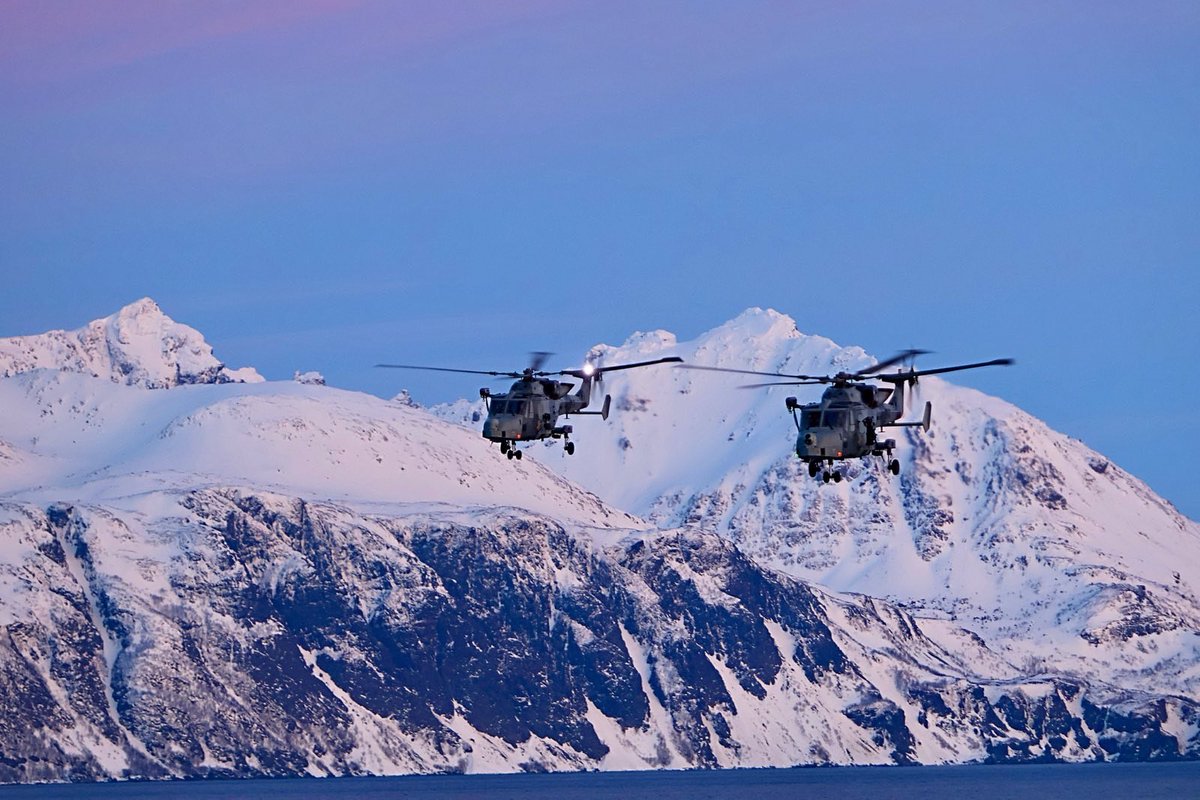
{"x": 329, "y": 184}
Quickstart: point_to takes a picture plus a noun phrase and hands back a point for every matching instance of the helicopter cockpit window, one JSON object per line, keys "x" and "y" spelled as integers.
{"x": 517, "y": 406}
{"x": 834, "y": 419}
{"x": 811, "y": 419}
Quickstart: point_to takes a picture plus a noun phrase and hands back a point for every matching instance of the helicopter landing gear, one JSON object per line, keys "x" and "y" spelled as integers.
{"x": 504, "y": 447}
{"x": 826, "y": 475}
{"x": 564, "y": 432}
{"x": 892, "y": 465}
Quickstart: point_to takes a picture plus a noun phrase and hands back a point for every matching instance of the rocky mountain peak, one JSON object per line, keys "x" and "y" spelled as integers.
{"x": 139, "y": 345}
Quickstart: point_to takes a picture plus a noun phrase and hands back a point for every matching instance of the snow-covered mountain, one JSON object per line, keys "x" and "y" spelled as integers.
{"x": 1057, "y": 557}
{"x": 284, "y": 578}
{"x": 229, "y": 632}
{"x": 139, "y": 346}
{"x": 70, "y": 437}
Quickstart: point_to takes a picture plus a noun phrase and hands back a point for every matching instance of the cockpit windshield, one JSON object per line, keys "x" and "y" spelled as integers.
{"x": 507, "y": 406}
{"x": 829, "y": 418}
{"x": 833, "y": 418}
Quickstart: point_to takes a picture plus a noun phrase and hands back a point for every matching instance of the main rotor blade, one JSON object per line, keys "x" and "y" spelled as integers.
{"x": 581, "y": 373}
{"x": 537, "y": 359}
{"x": 667, "y": 360}
{"x": 896, "y": 359}
{"x": 900, "y": 377}
{"x": 447, "y": 369}
{"x": 817, "y": 378}
{"x": 782, "y": 383}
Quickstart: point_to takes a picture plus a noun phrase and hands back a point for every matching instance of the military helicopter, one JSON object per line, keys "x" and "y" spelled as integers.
{"x": 846, "y": 422}
{"x": 531, "y": 407}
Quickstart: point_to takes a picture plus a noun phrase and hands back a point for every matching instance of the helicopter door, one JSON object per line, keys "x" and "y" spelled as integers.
{"x": 538, "y": 413}
{"x": 858, "y": 431}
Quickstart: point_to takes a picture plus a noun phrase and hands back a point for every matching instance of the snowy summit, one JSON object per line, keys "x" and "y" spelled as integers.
{"x": 139, "y": 346}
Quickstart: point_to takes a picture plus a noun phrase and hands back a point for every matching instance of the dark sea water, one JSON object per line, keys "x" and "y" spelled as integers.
{"x": 1049, "y": 781}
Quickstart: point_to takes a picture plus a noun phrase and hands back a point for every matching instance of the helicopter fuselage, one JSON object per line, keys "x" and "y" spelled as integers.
{"x": 530, "y": 410}
{"x": 845, "y": 422}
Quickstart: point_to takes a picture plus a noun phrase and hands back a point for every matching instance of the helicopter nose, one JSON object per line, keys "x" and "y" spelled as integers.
{"x": 813, "y": 442}
{"x": 502, "y": 425}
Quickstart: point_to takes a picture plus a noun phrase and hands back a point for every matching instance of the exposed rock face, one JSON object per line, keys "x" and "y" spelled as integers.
{"x": 251, "y": 634}
{"x": 138, "y": 346}
{"x": 309, "y": 378}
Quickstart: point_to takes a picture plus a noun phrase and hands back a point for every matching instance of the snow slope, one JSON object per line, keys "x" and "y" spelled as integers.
{"x": 72, "y": 438}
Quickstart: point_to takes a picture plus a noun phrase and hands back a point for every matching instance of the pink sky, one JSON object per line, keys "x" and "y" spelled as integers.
{"x": 44, "y": 41}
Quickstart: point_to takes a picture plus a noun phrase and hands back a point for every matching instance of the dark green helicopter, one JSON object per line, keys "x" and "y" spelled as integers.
{"x": 531, "y": 407}
{"x": 846, "y": 422}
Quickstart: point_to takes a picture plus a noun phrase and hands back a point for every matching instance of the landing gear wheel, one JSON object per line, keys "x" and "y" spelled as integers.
{"x": 894, "y": 467}
{"x": 570, "y": 448}
{"x": 509, "y": 453}
{"x": 517, "y": 454}
{"x": 504, "y": 447}
{"x": 837, "y": 476}
{"x": 813, "y": 469}
{"x": 825, "y": 476}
